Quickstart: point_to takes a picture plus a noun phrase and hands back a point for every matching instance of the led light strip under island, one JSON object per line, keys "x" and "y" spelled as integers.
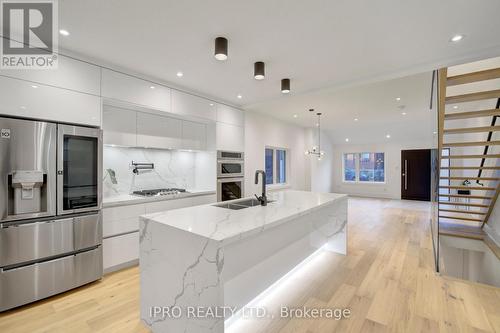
{"x": 213, "y": 257}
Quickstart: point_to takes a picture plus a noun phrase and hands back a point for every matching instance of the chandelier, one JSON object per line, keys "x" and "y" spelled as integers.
{"x": 316, "y": 150}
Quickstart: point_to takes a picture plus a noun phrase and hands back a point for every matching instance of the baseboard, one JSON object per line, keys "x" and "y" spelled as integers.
{"x": 121, "y": 266}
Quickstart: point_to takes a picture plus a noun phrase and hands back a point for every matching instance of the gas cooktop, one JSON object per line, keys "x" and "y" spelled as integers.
{"x": 158, "y": 192}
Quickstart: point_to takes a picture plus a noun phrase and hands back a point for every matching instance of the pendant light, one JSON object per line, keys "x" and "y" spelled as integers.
{"x": 220, "y": 48}
{"x": 316, "y": 150}
{"x": 259, "y": 70}
{"x": 285, "y": 86}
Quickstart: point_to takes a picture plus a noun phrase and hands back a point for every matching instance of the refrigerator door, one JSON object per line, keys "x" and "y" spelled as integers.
{"x": 79, "y": 169}
{"x": 27, "y": 169}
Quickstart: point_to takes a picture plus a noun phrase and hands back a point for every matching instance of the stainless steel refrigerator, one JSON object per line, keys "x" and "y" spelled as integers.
{"x": 50, "y": 202}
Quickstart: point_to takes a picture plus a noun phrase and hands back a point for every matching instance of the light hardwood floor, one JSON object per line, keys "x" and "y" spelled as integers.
{"x": 387, "y": 280}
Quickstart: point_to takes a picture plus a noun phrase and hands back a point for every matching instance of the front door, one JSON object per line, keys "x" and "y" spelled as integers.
{"x": 416, "y": 174}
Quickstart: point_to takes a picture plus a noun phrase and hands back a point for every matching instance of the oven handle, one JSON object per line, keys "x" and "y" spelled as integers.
{"x": 227, "y": 180}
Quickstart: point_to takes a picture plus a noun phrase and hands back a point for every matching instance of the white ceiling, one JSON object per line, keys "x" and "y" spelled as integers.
{"x": 316, "y": 43}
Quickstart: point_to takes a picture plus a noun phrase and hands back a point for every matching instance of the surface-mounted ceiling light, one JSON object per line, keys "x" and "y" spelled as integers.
{"x": 180, "y": 74}
{"x": 356, "y": 119}
{"x": 346, "y": 139}
{"x": 239, "y": 96}
{"x": 295, "y": 116}
{"x": 151, "y": 87}
{"x": 259, "y": 70}
{"x": 285, "y": 86}
{"x": 398, "y": 99}
{"x": 456, "y": 38}
{"x": 64, "y": 32}
{"x": 220, "y": 48}
{"x": 388, "y": 136}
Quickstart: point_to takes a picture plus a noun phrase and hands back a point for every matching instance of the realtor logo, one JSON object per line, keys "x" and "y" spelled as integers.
{"x": 29, "y": 34}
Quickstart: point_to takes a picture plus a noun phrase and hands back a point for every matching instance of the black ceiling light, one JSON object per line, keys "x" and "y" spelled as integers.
{"x": 220, "y": 48}
{"x": 259, "y": 70}
{"x": 285, "y": 86}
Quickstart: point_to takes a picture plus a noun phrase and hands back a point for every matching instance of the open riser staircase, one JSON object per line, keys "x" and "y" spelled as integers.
{"x": 469, "y": 142}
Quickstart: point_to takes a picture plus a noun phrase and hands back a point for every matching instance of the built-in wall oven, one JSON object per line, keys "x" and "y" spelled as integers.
{"x": 230, "y": 175}
{"x": 50, "y": 219}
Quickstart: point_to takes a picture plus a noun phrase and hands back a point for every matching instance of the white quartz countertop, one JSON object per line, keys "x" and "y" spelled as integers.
{"x": 222, "y": 224}
{"x": 129, "y": 199}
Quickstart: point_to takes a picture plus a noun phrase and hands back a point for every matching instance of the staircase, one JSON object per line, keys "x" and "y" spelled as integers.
{"x": 469, "y": 142}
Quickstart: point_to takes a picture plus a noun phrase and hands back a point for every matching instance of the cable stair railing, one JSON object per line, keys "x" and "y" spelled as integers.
{"x": 467, "y": 206}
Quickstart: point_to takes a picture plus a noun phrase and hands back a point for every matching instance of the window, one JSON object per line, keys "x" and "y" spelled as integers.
{"x": 276, "y": 165}
{"x": 364, "y": 167}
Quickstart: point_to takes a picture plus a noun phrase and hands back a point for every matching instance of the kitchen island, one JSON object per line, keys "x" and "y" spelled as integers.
{"x": 198, "y": 262}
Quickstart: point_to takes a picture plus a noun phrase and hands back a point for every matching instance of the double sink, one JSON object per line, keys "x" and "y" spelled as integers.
{"x": 241, "y": 204}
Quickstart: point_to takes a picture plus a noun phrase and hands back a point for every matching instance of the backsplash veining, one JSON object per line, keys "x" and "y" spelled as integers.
{"x": 180, "y": 169}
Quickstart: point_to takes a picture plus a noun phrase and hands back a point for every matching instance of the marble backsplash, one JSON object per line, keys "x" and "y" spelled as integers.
{"x": 181, "y": 169}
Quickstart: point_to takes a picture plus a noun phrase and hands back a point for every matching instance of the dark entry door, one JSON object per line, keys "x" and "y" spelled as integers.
{"x": 416, "y": 174}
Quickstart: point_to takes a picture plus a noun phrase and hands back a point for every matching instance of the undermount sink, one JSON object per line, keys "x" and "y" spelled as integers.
{"x": 236, "y": 205}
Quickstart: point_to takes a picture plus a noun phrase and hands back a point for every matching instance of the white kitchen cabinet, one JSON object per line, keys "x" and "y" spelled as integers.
{"x": 230, "y": 137}
{"x": 119, "y": 126}
{"x": 157, "y": 131}
{"x": 119, "y": 251}
{"x": 25, "y": 99}
{"x": 194, "y": 135}
{"x": 70, "y": 74}
{"x": 130, "y": 89}
{"x": 122, "y": 219}
{"x": 185, "y": 104}
{"x": 229, "y": 115}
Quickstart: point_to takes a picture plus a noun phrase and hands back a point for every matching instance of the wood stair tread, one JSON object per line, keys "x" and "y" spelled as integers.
{"x": 473, "y": 188}
{"x": 471, "y": 156}
{"x": 464, "y": 204}
{"x": 466, "y": 196}
{"x": 462, "y": 211}
{"x": 471, "y": 178}
{"x": 471, "y": 168}
{"x": 474, "y": 143}
{"x": 488, "y": 74}
{"x": 472, "y": 114}
{"x": 490, "y": 94}
{"x": 480, "y": 129}
{"x": 460, "y": 218}
{"x": 451, "y": 229}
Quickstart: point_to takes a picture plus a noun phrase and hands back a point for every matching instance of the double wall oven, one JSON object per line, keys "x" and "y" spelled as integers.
{"x": 50, "y": 219}
{"x": 230, "y": 175}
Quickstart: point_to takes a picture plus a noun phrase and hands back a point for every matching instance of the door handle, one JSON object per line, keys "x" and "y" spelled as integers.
{"x": 406, "y": 175}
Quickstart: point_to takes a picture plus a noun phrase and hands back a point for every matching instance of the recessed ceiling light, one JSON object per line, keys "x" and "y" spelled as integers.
{"x": 356, "y": 119}
{"x": 435, "y": 132}
{"x": 403, "y": 113}
{"x": 22, "y": 107}
{"x": 388, "y": 136}
{"x": 456, "y": 38}
{"x": 398, "y": 99}
{"x": 346, "y": 139}
{"x": 34, "y": 86}
{"x": 317, "y": 124}
{"x": 151, "y": 87}
{"x": 211, "y": 104}
{"x": 455, "y": 107}
{"x": 220, "y": 48}
{"x": 295, "y": 116}
{"x": 239, "y": 96}
{"x": 64, "y": 32}
{"x": 180, "y": 74}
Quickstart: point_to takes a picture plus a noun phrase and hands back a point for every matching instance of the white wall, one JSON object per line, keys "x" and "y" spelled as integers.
{"x": 262, "y": 131}
{"x": 392, "y": 186}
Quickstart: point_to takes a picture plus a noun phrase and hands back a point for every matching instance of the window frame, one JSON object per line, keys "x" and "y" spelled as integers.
{"x": 357, "y": 156}
{"x": 275, "y": 166}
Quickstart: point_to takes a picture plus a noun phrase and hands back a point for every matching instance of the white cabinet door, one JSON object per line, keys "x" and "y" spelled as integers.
{"x": 230, "y": 137}
{"x": 70, "y": 74}
{"x": 119, "y": 220}
{"x": 157, "y": 131}
{"x": 189, "y": 105}
{"x": 194, "y": 135}
{"x": 127, "y": 88}
{"x": 24, "y": 99}
{"x": 119, "y": 126}
{"x": 229, "y": 115}
{"x": 120, "y": 250}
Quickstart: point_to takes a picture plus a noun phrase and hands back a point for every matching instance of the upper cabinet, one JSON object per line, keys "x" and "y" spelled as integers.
{"x": 194, "y": 135}
{"x": 184, "y": 104}
{"x": 70, "y": 74}
{"x": 130, "y": 89}
{"x": 156, "y": 131}
{"x": 119, "y": 126}
{"x": 21, "y": 98}
{"x": 229, "y": 115}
